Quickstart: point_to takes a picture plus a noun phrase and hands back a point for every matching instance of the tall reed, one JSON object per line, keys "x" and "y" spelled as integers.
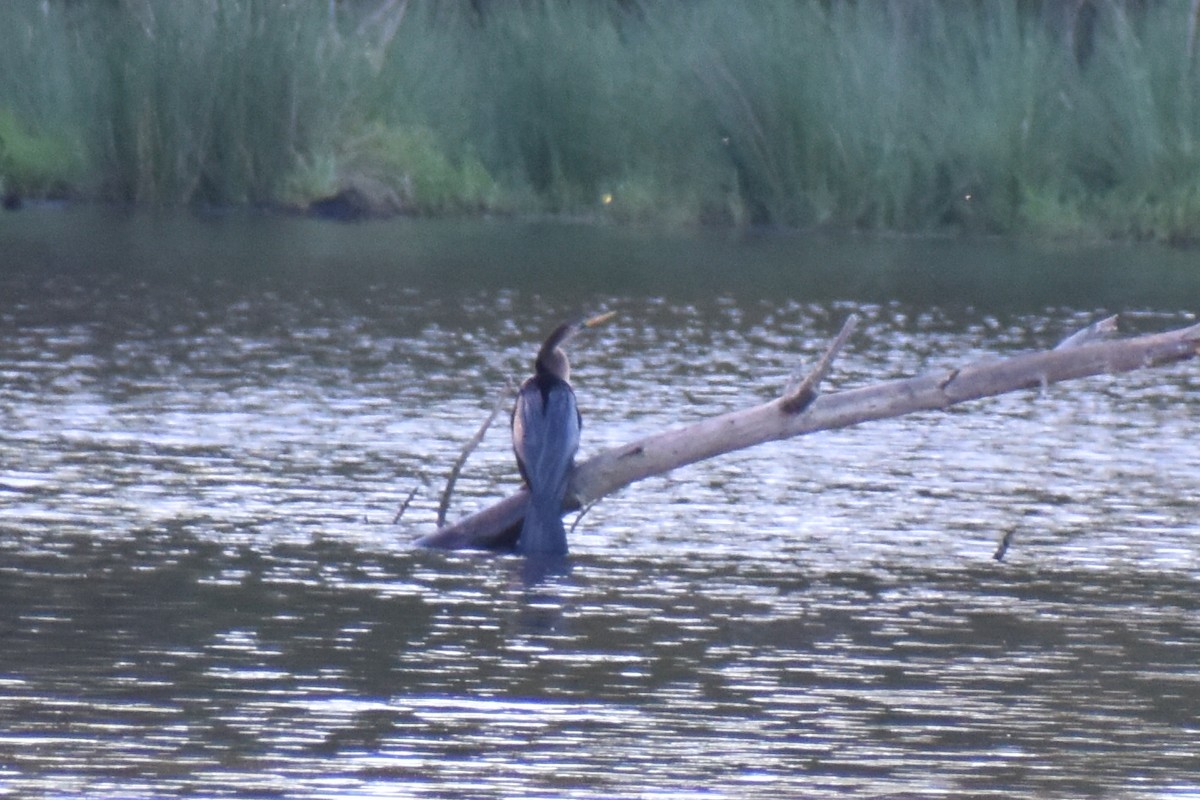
{"x": 1138, "y": 144}
{"x": 914, "y": 115}
{"x": 211, "y": 102}
{"x": 41, "y": 142}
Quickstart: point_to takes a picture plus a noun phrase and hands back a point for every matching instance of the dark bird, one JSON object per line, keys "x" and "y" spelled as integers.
{"x": 545, "y": 429}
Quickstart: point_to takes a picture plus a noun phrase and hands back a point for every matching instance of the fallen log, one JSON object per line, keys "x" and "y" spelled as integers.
{"x": 1078, "y": 356}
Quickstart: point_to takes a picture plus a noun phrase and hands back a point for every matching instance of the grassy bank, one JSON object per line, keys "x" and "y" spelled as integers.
{"x": 913, "y": 116}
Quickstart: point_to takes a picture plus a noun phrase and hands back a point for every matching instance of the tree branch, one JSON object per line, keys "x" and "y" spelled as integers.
{"x": 605, "y": 473}
{"x": 444, "y": 506}
{"x": 1101, "y": 329}
{"x": 799, "y": 394}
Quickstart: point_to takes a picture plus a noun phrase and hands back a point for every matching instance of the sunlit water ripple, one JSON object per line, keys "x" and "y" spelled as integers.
{"x": 203, "y": 591}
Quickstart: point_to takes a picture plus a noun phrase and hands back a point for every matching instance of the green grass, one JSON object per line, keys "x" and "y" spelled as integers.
{"x": 35, "y": 163}
{"x": 987, "y": 116}
{"x": 40, "y": 141}
{"x": 196, "y": 106}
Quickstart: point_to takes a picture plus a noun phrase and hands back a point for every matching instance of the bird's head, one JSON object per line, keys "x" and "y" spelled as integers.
{"x": 551, "y": 359}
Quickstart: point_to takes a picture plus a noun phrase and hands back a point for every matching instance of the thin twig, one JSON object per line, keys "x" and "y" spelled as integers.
{"x": 582, "y": 511}
{"x": 404, "y": 505}
{"x": 501, "y": 402}
{"x": 799, "y": 394}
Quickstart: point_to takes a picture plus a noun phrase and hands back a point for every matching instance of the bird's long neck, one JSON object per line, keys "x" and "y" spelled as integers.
{"x": 551, "y": 360}
{"x": 553, "y": 364}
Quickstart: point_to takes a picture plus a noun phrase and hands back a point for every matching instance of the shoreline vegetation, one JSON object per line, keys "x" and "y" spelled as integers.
{"x": 1057, "y": 118}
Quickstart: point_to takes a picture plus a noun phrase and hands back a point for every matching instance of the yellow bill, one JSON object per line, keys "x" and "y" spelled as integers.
{"x": 599, "y": 319}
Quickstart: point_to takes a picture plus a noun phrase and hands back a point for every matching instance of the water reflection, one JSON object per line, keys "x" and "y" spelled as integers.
{"x": 201, "y": 592}
{"x": 304, "y": 669}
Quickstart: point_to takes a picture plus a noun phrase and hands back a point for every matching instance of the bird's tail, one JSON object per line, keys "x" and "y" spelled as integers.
{"x": 543, "y": 532}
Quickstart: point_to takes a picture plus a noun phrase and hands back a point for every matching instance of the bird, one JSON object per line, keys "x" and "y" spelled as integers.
{"x": 545, "y": 430}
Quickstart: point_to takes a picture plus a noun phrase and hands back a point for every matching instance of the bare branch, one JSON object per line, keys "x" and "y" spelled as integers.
{"x": 444, "y": 506}
{"x": 613, "y": 469}
{"x": 800, "y": 393}
{"x": 1092, "y": 333}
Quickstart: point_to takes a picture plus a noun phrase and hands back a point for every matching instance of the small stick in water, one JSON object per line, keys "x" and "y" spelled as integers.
{"x": 404, "y": 505}
{"x": 1005, "y": 541}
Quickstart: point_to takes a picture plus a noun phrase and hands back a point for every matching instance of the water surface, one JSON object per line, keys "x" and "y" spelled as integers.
{"x": 208, "y": 426}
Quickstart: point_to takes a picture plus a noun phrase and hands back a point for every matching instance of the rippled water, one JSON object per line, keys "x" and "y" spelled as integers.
{"x": 203, "y": 593}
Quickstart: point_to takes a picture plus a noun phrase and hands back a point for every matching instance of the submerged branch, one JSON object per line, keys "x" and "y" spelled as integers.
{"x": 613, "y": 469}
